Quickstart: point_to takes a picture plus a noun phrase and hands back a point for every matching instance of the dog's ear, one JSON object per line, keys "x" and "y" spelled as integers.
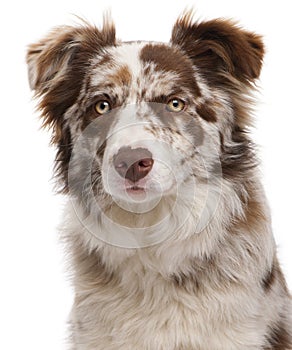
{"x": 220, "y": 46}
{"x": 49, "y": 58}
{"x": 57, "y": 65}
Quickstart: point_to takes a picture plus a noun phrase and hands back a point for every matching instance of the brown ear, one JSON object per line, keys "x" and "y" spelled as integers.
{"x": 49, "y": 58}
{"x": 220, "y": 46}
{"x": 57, "y": 64}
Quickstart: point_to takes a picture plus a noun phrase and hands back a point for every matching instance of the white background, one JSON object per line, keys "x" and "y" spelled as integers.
{"x": 35, "y": 293}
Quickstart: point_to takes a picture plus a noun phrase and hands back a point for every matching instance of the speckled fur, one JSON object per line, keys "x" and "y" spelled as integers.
{"x": 212, "y": 281}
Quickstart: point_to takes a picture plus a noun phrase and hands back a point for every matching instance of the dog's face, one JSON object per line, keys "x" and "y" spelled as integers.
{"x": 145, "y": 108}
{"x": 136, "y": 122}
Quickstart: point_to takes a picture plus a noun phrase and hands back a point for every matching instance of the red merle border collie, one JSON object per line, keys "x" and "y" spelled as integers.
{"x": 167, "y": 224}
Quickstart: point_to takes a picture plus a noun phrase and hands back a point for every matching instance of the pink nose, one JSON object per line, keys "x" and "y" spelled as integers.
{"x": 133, "y": 164}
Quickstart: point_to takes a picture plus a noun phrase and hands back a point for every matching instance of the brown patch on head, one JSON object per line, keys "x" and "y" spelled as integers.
{"x": 168, "y": 59}
{"x": 57, "y": 66}
{"x": 122, "y": 76}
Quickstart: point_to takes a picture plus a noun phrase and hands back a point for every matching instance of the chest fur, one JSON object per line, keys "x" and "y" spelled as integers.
{"x": 143, "y": 310}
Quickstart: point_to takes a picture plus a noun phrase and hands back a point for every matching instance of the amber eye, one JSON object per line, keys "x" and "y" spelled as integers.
{"x": 102, "y": 107}
{"x": 175, "y": 105}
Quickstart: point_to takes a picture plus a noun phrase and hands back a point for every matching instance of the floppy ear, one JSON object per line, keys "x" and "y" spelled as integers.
{"x": 57, "y": 65}
{"x": 220, "y": 46}
{"x": 49, "y": 58}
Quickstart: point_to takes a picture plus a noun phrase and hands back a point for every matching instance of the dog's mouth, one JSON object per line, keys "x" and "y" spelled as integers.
{"x": 135, "y": 188}
{"x": 136, "y": 191}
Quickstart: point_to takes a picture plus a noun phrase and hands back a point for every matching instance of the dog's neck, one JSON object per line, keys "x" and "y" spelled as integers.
{"x": 162, "y": 233}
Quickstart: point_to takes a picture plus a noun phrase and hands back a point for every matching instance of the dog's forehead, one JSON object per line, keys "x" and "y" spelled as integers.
{"x": 142, "y": 65}
{"x": 137, "y": 55}
{"x": 128, "y": 54}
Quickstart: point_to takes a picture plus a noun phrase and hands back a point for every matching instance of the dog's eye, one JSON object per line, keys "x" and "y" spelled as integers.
{"x": 175, "y": 105}
{"x": 102, "y": 107}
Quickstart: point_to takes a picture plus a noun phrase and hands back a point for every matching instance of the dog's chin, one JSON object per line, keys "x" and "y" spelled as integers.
{"x": 137, "y": 200}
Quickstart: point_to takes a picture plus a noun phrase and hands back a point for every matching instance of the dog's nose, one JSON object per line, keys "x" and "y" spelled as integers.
{"x": 133, "y": 164}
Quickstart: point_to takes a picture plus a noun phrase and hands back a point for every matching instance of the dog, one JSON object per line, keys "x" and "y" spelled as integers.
{"x": 167, "y": 226}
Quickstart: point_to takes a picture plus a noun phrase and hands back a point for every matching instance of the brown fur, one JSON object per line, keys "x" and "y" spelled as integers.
{"x": 219, "y": 45}
{"x": 122, "y": 77}
{"x": 168, "y": 60}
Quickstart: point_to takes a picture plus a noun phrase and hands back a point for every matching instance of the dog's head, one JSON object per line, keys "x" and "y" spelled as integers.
{"x": 140, "y": 121}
